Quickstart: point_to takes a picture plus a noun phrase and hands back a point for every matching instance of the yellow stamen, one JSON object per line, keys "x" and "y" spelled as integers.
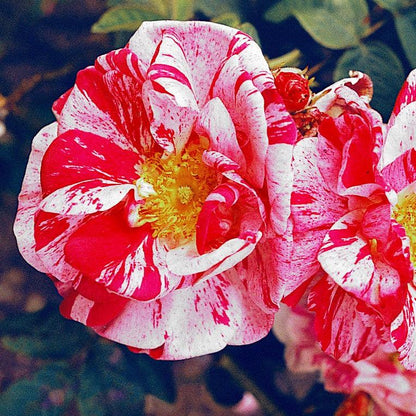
{"x": 180, "y": 185}
{"x": 404, "y": 213}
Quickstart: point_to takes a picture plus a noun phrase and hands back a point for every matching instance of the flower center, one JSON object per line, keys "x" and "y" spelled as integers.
{"x": 404, "y": 213}
{"x": 174, "y": 187}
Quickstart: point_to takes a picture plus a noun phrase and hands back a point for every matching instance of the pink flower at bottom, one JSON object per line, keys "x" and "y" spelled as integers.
{"x": 378, "y": 385}
{"x": 149, "y": 189}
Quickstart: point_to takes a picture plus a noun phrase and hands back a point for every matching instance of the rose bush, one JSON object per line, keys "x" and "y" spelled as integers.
{"x": 150, "y": 188}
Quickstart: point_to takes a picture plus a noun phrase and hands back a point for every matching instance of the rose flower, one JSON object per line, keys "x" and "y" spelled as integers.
{"x": 345, "y": 246}
{"x": 151, "y": 186}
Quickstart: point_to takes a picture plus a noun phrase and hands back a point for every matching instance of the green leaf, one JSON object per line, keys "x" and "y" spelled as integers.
{"x": 406, "y": 29}
{"x": 181, "y": 9}
{"x": 126, "y": 17}
{"x": 332, "y": 23}
{"x": 383, "y": 66}
{"x": 45, "y": 334}
{"x": 213, "y": 8}
{"x": 48, "y": 393}
{"x": 279, "y": 12}
{"x": 395, "y": 5}
{"x": 228, "y": 19}
{"x": 158, "y": 6}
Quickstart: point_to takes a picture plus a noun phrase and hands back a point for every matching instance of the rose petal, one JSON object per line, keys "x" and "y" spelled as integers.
{"x": 87, "y": 197}
{"x": 125, "y": 260}
{"x": 30, "y": 197}
{"x": 76, "y": 156}
{"x": 345, "y": 328}
{"x": 191, "y": 322}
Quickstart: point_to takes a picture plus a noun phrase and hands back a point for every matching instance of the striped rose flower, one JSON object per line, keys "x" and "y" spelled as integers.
{"x": 153, "y": 184}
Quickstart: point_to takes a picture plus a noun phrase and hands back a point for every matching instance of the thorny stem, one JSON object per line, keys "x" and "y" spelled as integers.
{"x": 248, "y": 385}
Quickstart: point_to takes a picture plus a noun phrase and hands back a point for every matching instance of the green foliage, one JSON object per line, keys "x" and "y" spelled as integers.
{"x": 395, "y": 5}
{"x": 79, "y": 370}
{"x": 44, "y": 334}
{"x": 382, "y": 65}
{"x": 48, "y": 393}
{"x": 332, "y": 23}
{"x": 233, "y": 20}
{"x": 406, "y": 29}
{"x": 127, "y": 15}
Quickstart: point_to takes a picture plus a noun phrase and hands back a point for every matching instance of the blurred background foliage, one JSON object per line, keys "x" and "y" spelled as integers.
{"x": 50, "y": 366}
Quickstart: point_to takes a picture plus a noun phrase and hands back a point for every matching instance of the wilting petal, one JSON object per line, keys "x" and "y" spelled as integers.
{"x": 31, "y": 196}
{"x": 76, "y": 156}
{"x": 345, "y": 328}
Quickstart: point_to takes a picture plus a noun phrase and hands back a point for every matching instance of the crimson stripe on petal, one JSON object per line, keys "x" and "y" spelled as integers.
{"x": 77, "y": 156}
{"x": 107, "y": 250}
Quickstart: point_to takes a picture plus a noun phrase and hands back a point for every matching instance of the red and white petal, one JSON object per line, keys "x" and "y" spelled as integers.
{"x": 89, "y": 108}
{"x": 401, "y": 172}
{"x": 127, "y": 261}
{"x": 123, "y": 61}
{"x": 169, "y": 94}
{"x": 87, "y": 197}
{"x": 30, "y": 197}
{"x": 364, "y": 269}
{"x": 406, "y": 96}
{"x": 205, "y": 46}
{"x": 245, "y": 104}
{"x": 185, "y": 260}
{"x": 77, "y": 156}
{"x": 403, "y": 331}
{"x": 215, "y": 123}
{"x": 358, "y": 84}
{"x": 401, "y": 136}
{"x": 171, "y": 124}
{"x": 345, "y": 327}
{"x": 80, "y": 307}
{"x": 216, "y": 217}
{"x": 51, "y": 234}
{"x": 130, "y": 115}
{"x": 191, "y": 322}
{"x": 314, "y": 205}
{"x": 282, "y": 133}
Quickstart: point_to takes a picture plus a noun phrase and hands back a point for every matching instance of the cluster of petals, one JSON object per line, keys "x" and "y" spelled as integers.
{"x": 348, "y": 245}
{"x": 378, "y": 385}
{"x": 151, "y": 187}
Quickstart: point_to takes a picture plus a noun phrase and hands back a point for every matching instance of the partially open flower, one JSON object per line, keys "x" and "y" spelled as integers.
{"x": 151, "y": 186}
